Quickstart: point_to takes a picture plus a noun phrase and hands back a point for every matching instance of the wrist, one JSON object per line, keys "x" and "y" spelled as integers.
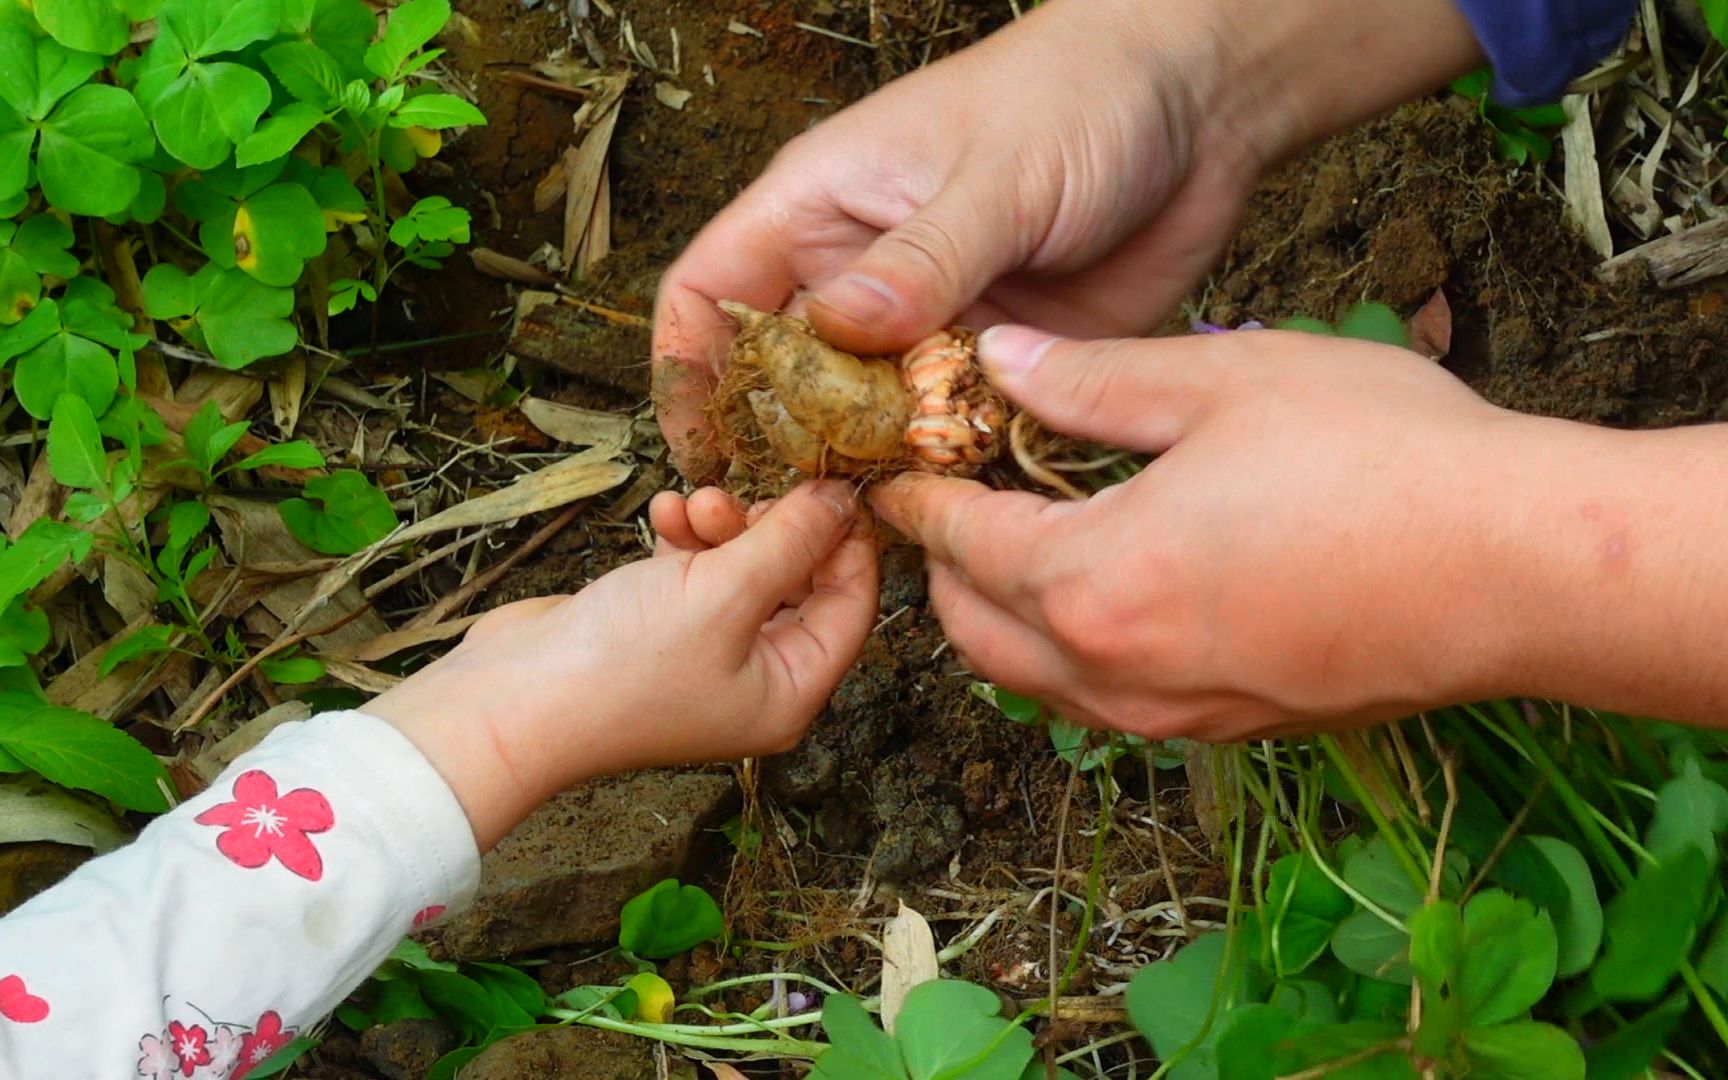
{"x": 1284, "y": 76}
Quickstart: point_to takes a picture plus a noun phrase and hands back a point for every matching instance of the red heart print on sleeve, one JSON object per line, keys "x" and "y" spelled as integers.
{"x": 18, "y": 1004}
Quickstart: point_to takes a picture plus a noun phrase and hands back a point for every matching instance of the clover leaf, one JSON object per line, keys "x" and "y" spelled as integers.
{"x": 201, "y": 108}
{"x": 340, "y": 514}
{"x": 668, "y": 919}
{"x": 237, "y": 319}
{"x": 267, "y": 229}
{"x": 95, "y": 26}
{"x": 29, "y": 250}
{"x": 87, "y": 137}
{"x": 68, "y": 346}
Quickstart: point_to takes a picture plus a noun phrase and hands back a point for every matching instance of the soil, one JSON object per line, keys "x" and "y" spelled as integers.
{"x": 909, "y": 780}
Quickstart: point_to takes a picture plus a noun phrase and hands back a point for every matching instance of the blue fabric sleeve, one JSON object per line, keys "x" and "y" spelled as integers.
{"x": 1538, "y": 46}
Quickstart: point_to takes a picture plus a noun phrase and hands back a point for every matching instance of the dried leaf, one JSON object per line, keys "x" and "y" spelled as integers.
{"x": 1431, "y": 327}
{"x": 908, "y": 959}
{"x": 597, "y": 240}
{"x": 127, "y": 589}
{"x": 585, "y": 427}
{"x": 508, "y": 268}
{"x": 742, "y": 29}
{"x": 552, "y": 186}
{"x": 287, "y": 393}
{"x": 578, "y": 477}
{"x": 209, "y": 763}
{"x": 1584, "y": 176}
{"x": 723, "y": 1071}
{"x": 671, "y": 96}
{"x": 387, "y": 645}
{"x": 32, "y": 809}
{"x": 359, "y": 676}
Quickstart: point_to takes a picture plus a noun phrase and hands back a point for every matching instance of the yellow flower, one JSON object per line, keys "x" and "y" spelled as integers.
{"x": 654, "y": 998}
{"x": 426, "y": 142}
{"x": 245, "y": 240}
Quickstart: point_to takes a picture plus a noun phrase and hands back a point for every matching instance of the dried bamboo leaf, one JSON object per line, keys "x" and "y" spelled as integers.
{"x": 672, "y": 97}
{"x": 508, "y": 268}
{"x": 32, "y": 810}
{"x": 387, "y": 645}
{"x": 597, "y": 240}
{"x": 576, "y": 426}
{"x": 208, "y": 763}
{"x": 359, "y": 676}
{"x": 578, "y": 477}
{"x": 1584, "y": 176}
{"x": 908, "y": 959}
{"x": 287, "y": 393}
{"x": 553, "y": 185}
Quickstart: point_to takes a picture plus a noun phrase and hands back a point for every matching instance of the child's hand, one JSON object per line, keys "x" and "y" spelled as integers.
{"x": 722, "y": 647}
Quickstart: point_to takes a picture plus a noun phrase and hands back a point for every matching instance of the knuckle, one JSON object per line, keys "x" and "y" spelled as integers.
{"x": 929, "y": 245}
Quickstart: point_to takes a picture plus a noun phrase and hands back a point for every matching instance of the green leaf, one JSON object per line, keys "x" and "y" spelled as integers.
{"x": 1523, "y": 1051}
{"x": 207, "y": 27}
{"x": 436, "y": 112}
{"x": 1508, "y": 959}
{"x": 1713, "y": 961}
{"x": 203, "y": 426}
{"x": 1716, "y": 17}
{"x": 665, "y": 920}
{"x": 1248, "y": 1040}
{"x": 1627, "y": 1054}
{"x": 35, "y": 73}
{"x": 146, "y": 642}
{"x": 354, "y": 514}
{"x": 307, "y": 72}
{"x": 1367, "y": 945}
{"x": 292, "y": 670}
{"x": 430, "y": 220}
{"x": 1294, "y": 941}
{"x": 466, "y": 1004}
{"x": 1436, "y": 943}
{"x": 93, "y": 26}
{"x": 513, "y": 984}
{"x": 1021, "y": 710}
{"x": 1690, "y": 812}
{"x": 449, "y": 1067}
{"x": 1650, "y": 927}
{"x": 344, "y": 29}
{"x": 1374, "y": 322}
{"x": 411, "y": 26}
{"x": 1376, "y": 873}
{"x": 43, "y": 549}
{"x": 210, "y": 107}
{"x": 1346, "y": 1042}
{"x": 76, "y": 750}
{"x": 1169, "y": 1002}
{"x": 1577, "y": 922}
{"x": 274, "y": 232}
{"x": 953, "y": 1029}
{"x": 35, "y": 247}
{"x": 75, "y": 452}
{"x": 169, "y": 292}
{"x": 1296, "y": 883}
{"x": 1308, "y": 1000}
{"x": 24, "y": 632}
{"x": 276, "y": 1064}
{"x": 1303, "y": 324}
{"x": 858, "y": 1049}
{"x": 298, "y": 454}
{"x": 279, "y": 135}
{"x": 186, "y": 522}
{"x": 90, "y": 146}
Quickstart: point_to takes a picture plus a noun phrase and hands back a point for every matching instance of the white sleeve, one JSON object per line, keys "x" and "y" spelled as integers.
{"x": 243, "y": 915}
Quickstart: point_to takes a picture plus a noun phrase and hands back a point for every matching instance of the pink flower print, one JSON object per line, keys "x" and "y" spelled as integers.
{"x": 158, "y": 1060}
{"x": 427, "y": 914}
{"x": 188, "y": 1044}
{"x": 225, "y": 1044}
{"x": 267, "y": 1038}
{"x": 18, "y": 1004}
{"x": 261, "y": 825}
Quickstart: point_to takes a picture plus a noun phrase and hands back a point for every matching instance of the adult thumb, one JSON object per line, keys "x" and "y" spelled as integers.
{"x": 919, "y": 275}
{"x": 1137, "y": 394}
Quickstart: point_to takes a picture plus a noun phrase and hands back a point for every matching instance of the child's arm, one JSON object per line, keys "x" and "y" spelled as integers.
{"x": 254, "y": 908}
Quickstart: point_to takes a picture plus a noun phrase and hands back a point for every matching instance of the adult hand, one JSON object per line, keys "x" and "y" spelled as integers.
{"x": 1313, "y": 546}
{"x": 724, "y": 646}
{"x": 1078, "y": 170}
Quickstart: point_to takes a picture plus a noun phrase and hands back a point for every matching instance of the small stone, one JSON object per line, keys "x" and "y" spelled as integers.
{"x": 27, "y": 869}
{"x": 406, "y": 1049}
{"x": 561, "y": 877}
{"x": 551, "y": 1053}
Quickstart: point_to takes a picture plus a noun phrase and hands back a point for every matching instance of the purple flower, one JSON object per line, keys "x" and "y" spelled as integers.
{"x": 1200, "y": 327}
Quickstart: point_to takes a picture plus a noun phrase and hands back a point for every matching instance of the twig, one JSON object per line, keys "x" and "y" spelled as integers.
{"x": 426, "y": 560}
{"x": 438, "y": 612}
{"x": 835, "y": 34}
{"x": 287, "y": 641}
{"x": 1056, "y": 878}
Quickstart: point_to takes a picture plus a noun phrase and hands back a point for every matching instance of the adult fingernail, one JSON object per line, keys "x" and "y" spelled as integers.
{"x": 1013, "y": 351}
{"x": 858, "y": 296}
{"x": 840, "y": 498}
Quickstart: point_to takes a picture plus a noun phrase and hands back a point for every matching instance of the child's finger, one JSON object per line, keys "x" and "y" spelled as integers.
{"x": 821, "y": 639}
{"x": 715, "y": 517}
{"x": 669, "y": 516}
{"x": 781, "y": 552}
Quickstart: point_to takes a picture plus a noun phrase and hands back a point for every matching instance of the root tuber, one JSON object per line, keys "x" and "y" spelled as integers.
{"x": 789, "y": 399}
